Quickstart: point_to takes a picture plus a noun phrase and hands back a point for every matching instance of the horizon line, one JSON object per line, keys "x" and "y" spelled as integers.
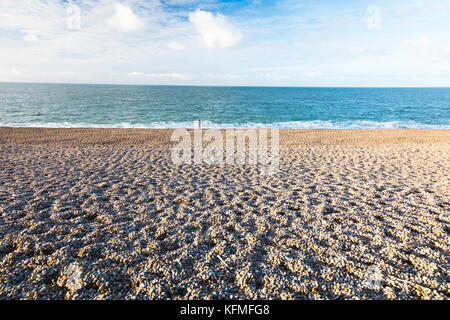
{"x": 225, "y": 86}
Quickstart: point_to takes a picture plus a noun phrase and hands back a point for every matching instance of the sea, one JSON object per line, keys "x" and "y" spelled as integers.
{"x": 143, "y": 106}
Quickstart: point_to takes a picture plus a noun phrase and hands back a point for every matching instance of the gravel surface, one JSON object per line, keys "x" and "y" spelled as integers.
{"x": 105, "y": 214}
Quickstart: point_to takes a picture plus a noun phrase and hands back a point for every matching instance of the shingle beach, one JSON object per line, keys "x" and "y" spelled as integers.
{"x": 106, "y": 214}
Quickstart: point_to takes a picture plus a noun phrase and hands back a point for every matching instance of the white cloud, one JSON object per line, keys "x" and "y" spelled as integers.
{"x": 422, "y": 41}
{"x": 124, "y": 20}
{"x": 314, "y": 74}
{"x": 428, "y": 50}
{"x": 15, "y": 71}
{"x": 368, "y": 50}
{"x": 225, "y": 76}
{"x": 178, "y": 76}
{"x": 66, "y": 73}
{"x": 175, "y": 46}
{"x": 31, "y": 37}
{"x": 168, "y": 75}
{"x": 215, "y": 30}
{"x": 136, "y": 74}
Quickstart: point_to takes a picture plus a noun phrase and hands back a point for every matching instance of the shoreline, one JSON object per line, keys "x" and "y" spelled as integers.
{"x": 161, "y": 137}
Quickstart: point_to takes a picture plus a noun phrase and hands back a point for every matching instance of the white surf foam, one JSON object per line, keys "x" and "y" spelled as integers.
{"x": 316, "y": 124}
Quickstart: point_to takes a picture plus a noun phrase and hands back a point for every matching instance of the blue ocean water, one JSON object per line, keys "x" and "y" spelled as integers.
{"x": 81, "y": 105}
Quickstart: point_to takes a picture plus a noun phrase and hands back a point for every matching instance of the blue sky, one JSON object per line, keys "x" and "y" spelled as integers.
{"x": 253, "y": 42}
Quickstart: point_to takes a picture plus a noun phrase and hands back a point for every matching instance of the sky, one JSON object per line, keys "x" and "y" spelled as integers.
{"x": 386, "y": 43}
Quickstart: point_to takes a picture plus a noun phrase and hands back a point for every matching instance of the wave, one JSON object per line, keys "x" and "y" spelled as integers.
{"x": 315, "y": 124}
